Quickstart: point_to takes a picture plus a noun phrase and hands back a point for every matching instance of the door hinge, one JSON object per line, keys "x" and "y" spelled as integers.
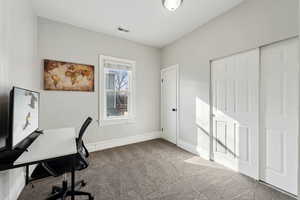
{"x": 162, "y": 80}
{"x": 162, "y": 129}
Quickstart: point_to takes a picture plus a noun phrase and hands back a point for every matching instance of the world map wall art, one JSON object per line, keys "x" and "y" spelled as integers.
{"x": 67, "y": 76}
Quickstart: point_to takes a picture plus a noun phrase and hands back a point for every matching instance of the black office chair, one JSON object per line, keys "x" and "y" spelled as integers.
{"x": 62, "y": 166}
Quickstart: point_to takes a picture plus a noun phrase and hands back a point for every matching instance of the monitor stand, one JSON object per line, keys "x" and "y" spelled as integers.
{"x": 10, "y": 155}
{"x": 40, "y": 131}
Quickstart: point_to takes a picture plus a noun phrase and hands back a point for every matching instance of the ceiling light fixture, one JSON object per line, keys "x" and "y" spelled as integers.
{"x": 172, "y": 5}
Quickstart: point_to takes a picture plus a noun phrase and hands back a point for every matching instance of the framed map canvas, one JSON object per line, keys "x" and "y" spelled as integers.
{"x": 67, "y": 76}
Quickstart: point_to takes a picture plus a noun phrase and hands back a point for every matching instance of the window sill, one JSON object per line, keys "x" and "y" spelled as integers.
{"x": 111, "y": 122}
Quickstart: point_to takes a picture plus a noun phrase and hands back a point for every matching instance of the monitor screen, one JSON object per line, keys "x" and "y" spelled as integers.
{"x": 25, "y": 114}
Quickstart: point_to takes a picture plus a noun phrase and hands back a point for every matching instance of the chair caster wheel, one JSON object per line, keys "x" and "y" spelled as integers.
{"x": 83, "y": 184}
{"x": 55, "y": 190}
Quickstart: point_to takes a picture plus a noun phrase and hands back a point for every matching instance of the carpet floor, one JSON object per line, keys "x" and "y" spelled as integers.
{"x": 158, "y": 170}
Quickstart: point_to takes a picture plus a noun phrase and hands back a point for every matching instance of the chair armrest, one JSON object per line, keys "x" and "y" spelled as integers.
{"x": 49, "y": 169}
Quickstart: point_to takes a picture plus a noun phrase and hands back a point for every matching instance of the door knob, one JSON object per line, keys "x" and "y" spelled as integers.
{"x": 174, "y": 109}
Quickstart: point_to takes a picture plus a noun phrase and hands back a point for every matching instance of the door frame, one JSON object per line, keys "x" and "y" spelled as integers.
{"x": 164, "y": 69}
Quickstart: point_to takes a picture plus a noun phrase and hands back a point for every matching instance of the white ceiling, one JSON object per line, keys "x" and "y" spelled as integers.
{"x": 149, "y": 23}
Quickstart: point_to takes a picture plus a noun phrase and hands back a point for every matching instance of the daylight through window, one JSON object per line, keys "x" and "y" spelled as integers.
{"x": 118, "y": 90}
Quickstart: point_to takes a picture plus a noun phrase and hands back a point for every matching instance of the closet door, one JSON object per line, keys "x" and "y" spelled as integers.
{"x": 235, "y": 98}
{"x": 280, "y": 108}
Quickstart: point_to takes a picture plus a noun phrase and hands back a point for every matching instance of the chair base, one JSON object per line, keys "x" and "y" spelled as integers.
{"x": 66, "y": 191}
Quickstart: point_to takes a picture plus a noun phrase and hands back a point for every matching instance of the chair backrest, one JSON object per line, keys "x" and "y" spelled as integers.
{"x": 84, "y": 127}
{"x": 82, "y": 150}
{"x": 82, "y": 153}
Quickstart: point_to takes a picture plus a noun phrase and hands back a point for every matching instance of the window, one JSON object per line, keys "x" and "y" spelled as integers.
{"x": 117, "y": 90}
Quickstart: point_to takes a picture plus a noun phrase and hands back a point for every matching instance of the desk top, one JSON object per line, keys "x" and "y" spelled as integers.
{"x": 53, "y": 143}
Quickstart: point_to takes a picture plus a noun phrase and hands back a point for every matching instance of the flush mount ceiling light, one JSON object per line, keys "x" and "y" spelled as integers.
{"x": 172, "y": 5}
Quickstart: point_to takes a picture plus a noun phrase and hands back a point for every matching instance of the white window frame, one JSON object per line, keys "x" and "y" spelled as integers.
{"x": 103, "y": 119}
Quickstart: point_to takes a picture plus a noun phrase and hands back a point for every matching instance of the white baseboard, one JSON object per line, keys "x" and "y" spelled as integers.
{"x": 106, "y": 144}
{"x": 194, "y": 149}
{"x": 188, "y": 147}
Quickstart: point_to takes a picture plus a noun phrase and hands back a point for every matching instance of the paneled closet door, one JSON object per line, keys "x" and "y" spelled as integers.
{"x": 280, "y": 107}
{"x": 235, "y": 97}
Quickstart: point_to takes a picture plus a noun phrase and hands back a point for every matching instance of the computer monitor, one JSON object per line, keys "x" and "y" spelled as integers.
{"x": 24, "y": 115}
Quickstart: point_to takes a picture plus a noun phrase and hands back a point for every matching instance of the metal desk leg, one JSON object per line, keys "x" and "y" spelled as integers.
{"x": 73, "y": 181}
{"x": 27, "y": 175}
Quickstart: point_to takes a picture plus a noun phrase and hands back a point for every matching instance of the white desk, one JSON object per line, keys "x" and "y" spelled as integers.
{"x": 52, "y": 144}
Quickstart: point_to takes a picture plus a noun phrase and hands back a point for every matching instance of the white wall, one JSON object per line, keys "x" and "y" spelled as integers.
{"x": 18, "y": 66}
{"x": 299, "y": 111}
{"x": 251, "y": 24}
{"x": 64, "y": 109}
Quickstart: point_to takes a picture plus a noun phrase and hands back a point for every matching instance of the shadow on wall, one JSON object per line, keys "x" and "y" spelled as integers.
{"x": 224, "y": 142}
{"x": 4, "y": 106}
{"x": 203, "y": 127}
{"x": 5, "y": 180}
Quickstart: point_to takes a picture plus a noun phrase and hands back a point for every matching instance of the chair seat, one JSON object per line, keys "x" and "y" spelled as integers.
{"x": 61, "y": 166}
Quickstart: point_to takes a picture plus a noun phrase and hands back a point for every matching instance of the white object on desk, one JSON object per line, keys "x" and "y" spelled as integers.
{"x": 53, "y": 143}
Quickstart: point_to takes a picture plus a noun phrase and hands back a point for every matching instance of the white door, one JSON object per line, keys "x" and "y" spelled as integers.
{"x": 169, "y": 103}
{"x": 280, "y": 107}
{"x": 235, "y": 98}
